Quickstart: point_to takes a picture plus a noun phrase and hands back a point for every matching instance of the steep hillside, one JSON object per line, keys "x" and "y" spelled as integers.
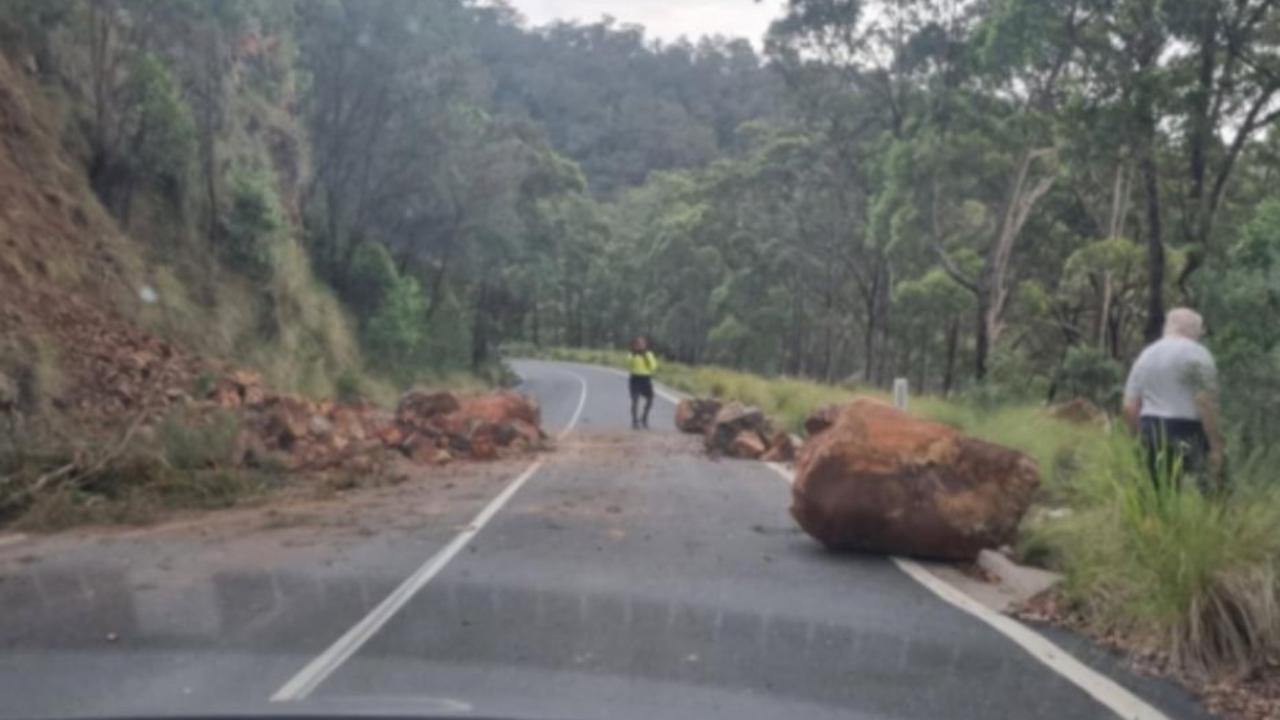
{"x": 100, "y": 315}
{"x": 71, "y": 337}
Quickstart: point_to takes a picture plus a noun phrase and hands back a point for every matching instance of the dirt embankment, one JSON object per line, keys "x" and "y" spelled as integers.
{"x": 99, "y": 411}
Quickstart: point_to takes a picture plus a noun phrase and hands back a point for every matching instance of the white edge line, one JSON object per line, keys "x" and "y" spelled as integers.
{"x": 315, "y": 672}
{"x": 582, "y": 403}
{"x": 1100, "y": 687}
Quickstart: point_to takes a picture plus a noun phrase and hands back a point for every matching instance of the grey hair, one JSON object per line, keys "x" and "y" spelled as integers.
{"x": 1184, "y": 322}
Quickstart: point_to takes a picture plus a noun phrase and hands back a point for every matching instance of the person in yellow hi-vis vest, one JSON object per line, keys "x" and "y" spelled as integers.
{"x": 643, "y": 364}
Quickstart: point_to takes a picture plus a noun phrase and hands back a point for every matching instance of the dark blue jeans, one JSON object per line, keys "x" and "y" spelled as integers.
{"x": 1174, "y": 442}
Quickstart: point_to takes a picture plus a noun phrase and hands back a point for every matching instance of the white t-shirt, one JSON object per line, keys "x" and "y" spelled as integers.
{"x": 1167, "y": 377}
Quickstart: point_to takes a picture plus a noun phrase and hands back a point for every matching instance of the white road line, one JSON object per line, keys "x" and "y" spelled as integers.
{"x": 1100, "y": 687}
{"x": 318, "y": 670}
{"x": 582, "y": 402}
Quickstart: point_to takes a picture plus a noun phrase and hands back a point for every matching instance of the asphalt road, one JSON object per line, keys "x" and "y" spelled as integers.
{"x": 629, "y": 577}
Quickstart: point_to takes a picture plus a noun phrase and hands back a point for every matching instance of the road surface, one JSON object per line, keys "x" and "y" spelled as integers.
{"x": 627, "y": 576}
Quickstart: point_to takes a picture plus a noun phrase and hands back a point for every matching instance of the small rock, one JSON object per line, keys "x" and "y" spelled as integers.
{"x": 747, "y": 445}
{"x": 695, "y": 415}
{"x": 781, "y": 448}
{"x": 319, "y": 426}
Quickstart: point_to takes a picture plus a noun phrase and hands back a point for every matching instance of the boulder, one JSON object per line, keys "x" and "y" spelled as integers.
{"x": 821, "y": 419}
{"x": 695, "y": 415}
{"x": 286, "y": 421}
{"x": 417, "y": 409}
{"x": 729, "y": 422}
{"x": 242, "y": 387}
{"x": 747, "y": 445}
{"x": 421, "y": 448}
{"x": 879, "y": 480}
{"x": 503, "y": 406}
{"x": 1079, "y": 411}
{"x": 781, "y": 448}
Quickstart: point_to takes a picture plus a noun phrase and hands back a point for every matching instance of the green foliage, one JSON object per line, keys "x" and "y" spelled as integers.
{"x": 394, "y": 335}
{"x": 371, "y": 278}
{"x": 166, "y": 136}
{"x": 1243, "y": 294}
{"x": 1090, "y": 374}
{"x": 447, "y": 343}
{"x": 253, "y": 225}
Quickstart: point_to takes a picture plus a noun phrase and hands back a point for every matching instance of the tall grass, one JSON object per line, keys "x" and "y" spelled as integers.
{"x": 1169, "y": 568}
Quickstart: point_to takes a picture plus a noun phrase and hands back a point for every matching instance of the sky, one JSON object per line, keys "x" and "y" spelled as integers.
{"x": 664, "y": 19}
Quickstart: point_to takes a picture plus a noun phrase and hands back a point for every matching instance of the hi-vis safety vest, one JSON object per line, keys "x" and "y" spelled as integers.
{"x": 643, "y": 363}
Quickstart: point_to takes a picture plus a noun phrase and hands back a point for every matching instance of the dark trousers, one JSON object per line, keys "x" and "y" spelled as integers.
{"x": 1174, "y": 444}
{"x": 641, "y": 386}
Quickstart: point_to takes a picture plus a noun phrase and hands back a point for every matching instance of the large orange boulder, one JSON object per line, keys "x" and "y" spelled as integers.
{"x": 879, "y": 480}
{"x": 695, "y": 415}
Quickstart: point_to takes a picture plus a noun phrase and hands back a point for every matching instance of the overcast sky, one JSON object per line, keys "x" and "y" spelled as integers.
{"x": 665, "y": 19}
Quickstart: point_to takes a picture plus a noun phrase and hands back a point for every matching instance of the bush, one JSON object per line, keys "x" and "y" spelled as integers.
{"x": 447, "y": 345}
{"x": 1093, "y": 375}
{"x": 166, "y": 137}
{"x": 252, "y": 225}
{"x": 395, "y": 333}
{"x": 370, "y": 279}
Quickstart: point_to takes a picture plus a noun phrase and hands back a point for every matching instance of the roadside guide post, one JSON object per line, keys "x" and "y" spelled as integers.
{"x": 900, "y": 393}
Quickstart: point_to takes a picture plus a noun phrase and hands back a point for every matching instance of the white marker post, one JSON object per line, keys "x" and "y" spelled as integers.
{"x": 900, "y": 393}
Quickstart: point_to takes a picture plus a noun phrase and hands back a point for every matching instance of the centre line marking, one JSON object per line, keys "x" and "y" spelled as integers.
{"x": 326, "y": 663}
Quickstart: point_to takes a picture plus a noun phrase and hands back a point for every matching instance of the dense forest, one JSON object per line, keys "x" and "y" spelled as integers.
{"x": 987, "y": 196}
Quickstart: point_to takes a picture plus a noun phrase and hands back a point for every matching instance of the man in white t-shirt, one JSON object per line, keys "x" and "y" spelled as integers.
{"x": 1170, "y": 398}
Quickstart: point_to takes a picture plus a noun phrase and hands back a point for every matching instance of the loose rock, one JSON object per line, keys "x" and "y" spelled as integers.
{"x": 695, "y": 415}
{"x": 781, "y": 448}
{"x": 730, "y": 421}
{"x": 747, "y": 445}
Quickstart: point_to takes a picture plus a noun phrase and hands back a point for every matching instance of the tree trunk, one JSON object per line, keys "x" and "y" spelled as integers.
{"x": 953, "y": 342}
{"x": 1104, "y": 313}
{"x": 1155, "y": 247}
{"x": 981, "y": 339}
